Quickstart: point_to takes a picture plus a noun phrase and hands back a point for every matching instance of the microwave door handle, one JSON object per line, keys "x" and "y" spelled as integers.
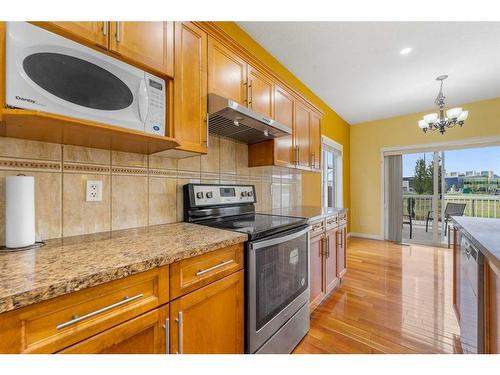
{"x": 143, "y": 100}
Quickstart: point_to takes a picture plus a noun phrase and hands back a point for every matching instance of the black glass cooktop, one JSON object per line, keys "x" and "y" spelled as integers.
{"x": 256, "y": 225}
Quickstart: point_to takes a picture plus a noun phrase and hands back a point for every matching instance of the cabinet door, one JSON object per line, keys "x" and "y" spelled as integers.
{"x": 210, "y": 319}
{"x": 147, "y": 43}
{"x": 456, "y": 271}
{"x": 330, "y": 259}
{"x": 283, "y": 113}
{"x": 260, "y": 92}
{"x": 93, "y": 32}
{"x": 341, "y": 251}
{"x": 301, "y": 132}
{"x": 190, "y": 87}
{"x": 315, "y": 141}
{"x": 316, "y": 270}
{"x": 227, "y": 73}
{"x": 145, "y": 334}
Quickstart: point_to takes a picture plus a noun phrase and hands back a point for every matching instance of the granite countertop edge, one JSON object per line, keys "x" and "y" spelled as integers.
{"x": 14, "y": 301}
{"x": 492, "y": 258}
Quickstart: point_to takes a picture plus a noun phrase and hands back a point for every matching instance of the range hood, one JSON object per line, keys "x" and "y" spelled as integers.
{"x": 230, "y": 119}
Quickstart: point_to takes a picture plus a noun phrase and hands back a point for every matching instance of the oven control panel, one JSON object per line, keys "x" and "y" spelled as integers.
{"x": 208, "y": 195}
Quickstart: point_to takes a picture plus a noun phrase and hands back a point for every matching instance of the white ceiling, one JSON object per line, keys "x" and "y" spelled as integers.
{"x": 356, "y": 67}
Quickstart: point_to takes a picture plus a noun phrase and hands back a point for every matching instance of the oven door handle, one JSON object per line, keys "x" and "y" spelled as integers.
{"x": 276, "y": 241}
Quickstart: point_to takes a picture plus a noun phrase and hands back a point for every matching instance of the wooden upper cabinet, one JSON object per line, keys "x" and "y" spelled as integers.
{"x": 210, "y": 319}
{"x": 146, "y": 43}
{"x": 145, "y": 334}
{"x": 283, "y": 113}
{"x": 260, "y": 92}
{"x": 190, "y": 87}
{"x": 315, "y": 141}
{"x": 227, "y": 73}
{"x": 301, "y": 135}
{"x": 93, "y": 32}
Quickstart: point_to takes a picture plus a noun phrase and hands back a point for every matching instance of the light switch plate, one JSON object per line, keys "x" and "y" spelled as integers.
{"x": 94, "y": 191}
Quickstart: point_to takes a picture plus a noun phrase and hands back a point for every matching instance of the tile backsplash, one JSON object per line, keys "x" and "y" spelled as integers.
{"x": 138, "y": 190}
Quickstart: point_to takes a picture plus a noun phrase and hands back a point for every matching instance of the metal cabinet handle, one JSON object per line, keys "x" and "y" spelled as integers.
{"x": 167, "y": 335}
{"x": 250, "y": 87}
{"x": 206, "y": 119}
{"x": 245, "y": 85}
{"x": 118, "y": 36}
{"x": 221, "y": 264}
{"x": 77, "y": 319}
{"x": 179, "y": 335}
{"x": 328, "y": 247}
{"x": 105, "y": 28}
{"x": 313, "y": 160}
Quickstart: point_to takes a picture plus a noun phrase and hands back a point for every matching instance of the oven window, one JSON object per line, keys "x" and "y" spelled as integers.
{"x": 281, "y": 276}
{"x": 77, "y": 81}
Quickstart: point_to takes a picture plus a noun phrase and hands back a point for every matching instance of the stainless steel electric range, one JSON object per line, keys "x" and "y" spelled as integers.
{"x": 277, "y": 263}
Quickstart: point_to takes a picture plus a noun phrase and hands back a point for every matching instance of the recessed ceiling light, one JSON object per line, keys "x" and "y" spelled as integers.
{"x": 405, "y": 51}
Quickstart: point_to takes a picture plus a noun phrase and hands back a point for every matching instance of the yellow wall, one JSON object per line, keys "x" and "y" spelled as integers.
{"x": 333, "y": 126}
{"x": 367, "y": 140}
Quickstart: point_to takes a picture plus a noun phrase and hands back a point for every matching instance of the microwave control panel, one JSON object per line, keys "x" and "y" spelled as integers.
{"x": 155, "y": 121}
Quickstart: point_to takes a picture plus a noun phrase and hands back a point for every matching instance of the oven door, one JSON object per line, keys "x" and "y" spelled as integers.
{"x": 49, "y": 73}
{"x": 277, "y": 283}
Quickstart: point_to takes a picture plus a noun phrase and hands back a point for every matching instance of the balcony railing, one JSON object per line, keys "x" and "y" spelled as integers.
{"x": 487, "y": 206}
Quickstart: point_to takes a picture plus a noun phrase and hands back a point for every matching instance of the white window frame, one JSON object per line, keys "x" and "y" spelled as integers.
{"x": 329, "y": 145}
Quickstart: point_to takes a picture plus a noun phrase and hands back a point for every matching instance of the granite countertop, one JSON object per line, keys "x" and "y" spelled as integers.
{"x": 313, "y": 213}
{"x": 74, "y": 263}
{"x": 484, "y": 234}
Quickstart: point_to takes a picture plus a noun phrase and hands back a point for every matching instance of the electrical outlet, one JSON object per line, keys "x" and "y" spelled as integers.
{"x": 94, "y": 191}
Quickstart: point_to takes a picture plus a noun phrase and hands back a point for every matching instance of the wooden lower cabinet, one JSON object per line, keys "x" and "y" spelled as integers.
{"x": 327, "y": 257}
{"x": 341, "y": 250}
{"x": 456, "y": 272}
{"x": 330, "y": 261}
{"x": 210, "y": 319}
{"x": 316, "y": 271}
{"x": 145, "y": 334}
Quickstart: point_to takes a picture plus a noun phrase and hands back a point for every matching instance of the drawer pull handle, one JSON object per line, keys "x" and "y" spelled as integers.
{"x": 167, "y": 335}
{"x": 221, "y": 264}
{"x": 77, "y": 318}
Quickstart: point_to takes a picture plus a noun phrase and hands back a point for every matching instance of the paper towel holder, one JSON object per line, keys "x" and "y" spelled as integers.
{"x": 36, "y": 245}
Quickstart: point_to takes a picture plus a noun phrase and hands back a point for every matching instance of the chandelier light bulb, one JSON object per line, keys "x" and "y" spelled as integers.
{"x": 454, "y": 113}
{"x": 463, "y": 116}
{"x": 431, "y": 118}
{"x": 422, "y": 124}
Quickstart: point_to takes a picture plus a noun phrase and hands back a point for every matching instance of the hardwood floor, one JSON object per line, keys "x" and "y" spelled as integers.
{"x": 394, "y": 299}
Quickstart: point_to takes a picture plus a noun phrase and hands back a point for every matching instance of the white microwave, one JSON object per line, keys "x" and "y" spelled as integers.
{"x": 49, "y": 73}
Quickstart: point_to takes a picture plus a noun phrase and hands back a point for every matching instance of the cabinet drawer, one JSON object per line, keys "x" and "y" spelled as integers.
{"x": 193, "y": 273}
{"x": 57, "y": 323}
{"x": 332, "y": 222}
{"x": 343, "y": 218}
{"x": 317, "y": 228}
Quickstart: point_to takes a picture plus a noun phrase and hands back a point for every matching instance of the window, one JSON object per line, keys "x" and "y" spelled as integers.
{"x": 331, "y": 173}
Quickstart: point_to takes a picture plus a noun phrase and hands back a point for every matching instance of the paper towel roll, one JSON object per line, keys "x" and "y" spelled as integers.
{"x": 19, "y": 211}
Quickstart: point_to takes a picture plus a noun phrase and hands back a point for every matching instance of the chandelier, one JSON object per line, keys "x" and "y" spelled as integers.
{"x": 434, "y": 121}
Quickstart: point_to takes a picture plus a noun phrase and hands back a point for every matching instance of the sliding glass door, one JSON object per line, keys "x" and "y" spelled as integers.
{"x": 423, "y": 187}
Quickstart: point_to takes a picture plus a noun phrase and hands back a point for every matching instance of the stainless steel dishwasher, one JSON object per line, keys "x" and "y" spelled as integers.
{"x": 471, "y": 298}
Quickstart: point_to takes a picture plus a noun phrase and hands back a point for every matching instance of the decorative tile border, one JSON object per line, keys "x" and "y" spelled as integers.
{"x": 188, "y": 174}
{"x": 130, "y": 171}
{"x": 163, "y": 173}
{"x": 26, "y": 164}
{"x": 86, "y": 168}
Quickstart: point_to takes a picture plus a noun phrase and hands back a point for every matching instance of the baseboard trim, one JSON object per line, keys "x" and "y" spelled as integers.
{"x": 366, "y": 235}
